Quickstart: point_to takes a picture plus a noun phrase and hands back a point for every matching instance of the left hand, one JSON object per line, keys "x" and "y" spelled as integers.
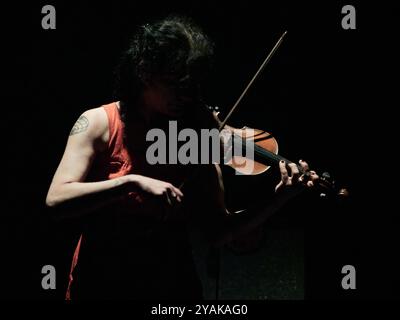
{"x": 308, "y": 179}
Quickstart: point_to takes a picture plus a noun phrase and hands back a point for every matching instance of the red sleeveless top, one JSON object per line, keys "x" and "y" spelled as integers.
{"x": 126, "y": 240}
{"x": 115, "y": 163}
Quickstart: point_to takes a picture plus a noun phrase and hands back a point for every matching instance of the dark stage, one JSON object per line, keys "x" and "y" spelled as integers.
{"x": 323, "y": 95}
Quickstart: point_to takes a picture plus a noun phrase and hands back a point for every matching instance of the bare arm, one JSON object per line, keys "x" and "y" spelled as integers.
{"x": 69, "y": 192}
{"x": 87, "y": 137}
{"x": 70, "y": 195}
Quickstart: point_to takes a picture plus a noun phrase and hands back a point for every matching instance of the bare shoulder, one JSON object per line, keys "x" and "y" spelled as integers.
{"x": 93, "y": 124}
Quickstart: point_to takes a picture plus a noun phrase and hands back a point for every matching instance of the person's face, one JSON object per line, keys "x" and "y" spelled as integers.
{"x": 167, "y": 96}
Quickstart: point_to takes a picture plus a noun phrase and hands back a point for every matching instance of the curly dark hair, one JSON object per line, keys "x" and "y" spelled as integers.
{"x": 174, "y": 49}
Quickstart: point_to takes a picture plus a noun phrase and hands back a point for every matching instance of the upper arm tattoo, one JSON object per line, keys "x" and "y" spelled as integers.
{"x": 80, "y": 125}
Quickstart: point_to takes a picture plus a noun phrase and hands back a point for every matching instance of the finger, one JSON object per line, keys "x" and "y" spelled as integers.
{"x": 168, "y": 198}
{"x": 176, "y": 191}
{"x": 310, "y": 184}
{"x": 173, "y": 191}
{"x": 284, "y": 173}
{"x": 313, "y": 176}
{"x": 177, "y": 197}
{"x": 304, "y": 165}
{"x": 278, "y": 186}
{"x": 303, "y": 178}
{"x": 295, "y": 171}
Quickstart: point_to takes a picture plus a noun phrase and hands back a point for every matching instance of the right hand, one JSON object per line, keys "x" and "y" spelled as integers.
{"x": 157, "y": 188}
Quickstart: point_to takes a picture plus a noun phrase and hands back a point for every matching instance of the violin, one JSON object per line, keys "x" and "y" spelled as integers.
{"x": 264, "y": 147}
{"x": 264, "y": 155}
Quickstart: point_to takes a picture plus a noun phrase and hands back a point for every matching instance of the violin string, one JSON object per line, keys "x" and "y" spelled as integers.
{"x": 265, "y": 153}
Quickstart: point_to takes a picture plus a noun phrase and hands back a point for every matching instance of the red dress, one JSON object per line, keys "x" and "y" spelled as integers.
{"x": 121, "y": 254}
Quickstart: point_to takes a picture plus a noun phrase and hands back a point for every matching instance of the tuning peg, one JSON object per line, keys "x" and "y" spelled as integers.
{"x": 326, "y": 176}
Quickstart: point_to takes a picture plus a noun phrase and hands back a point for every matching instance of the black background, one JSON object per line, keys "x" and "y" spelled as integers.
{"x": 324, "y": 95}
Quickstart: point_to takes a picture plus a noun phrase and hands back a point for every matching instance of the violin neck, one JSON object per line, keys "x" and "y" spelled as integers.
{"x": 267, "y": 157}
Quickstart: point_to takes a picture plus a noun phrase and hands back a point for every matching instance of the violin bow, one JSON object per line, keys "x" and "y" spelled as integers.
{"x": 260, "y": 69}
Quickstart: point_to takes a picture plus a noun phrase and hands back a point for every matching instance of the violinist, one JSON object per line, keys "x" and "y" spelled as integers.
{"x": 129, "y": 246}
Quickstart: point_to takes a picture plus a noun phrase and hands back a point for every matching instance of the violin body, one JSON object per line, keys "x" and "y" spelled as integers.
{"x": 263, "y": 139}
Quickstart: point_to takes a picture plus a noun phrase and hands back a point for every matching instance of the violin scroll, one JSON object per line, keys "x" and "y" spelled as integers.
{"x": 328, "y": 184}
